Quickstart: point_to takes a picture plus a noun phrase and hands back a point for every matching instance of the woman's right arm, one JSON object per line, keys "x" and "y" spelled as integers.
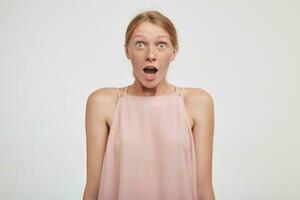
{"x": 96, "y": 137}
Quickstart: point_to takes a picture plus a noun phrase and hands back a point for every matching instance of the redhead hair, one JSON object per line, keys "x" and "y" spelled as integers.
{"x": 156, "y": 18}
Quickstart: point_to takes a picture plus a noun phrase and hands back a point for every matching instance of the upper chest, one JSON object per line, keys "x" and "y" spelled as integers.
{"x": 156, "y": 110}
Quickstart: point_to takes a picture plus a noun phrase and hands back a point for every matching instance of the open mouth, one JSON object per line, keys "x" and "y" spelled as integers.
{"x": 150, "y": 70}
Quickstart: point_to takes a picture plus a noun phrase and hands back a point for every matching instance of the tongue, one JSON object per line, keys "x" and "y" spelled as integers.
{"x": 149, "y": 77}
{"x": 150, "y": 73}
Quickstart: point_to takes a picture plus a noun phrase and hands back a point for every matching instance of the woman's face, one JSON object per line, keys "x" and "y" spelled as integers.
{"x": 150, "y": 45}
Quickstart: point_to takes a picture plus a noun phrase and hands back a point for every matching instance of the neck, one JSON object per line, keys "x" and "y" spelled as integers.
{"x": 137, "y": 88}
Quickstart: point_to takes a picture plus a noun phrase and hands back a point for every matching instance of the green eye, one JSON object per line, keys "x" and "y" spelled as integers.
{"x": 162, "y": 45}
{"x": 139, "y": 44}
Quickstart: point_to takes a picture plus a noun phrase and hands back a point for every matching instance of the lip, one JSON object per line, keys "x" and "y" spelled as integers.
{"x": 150, "y": 77}
{"x": 151, "y": 66}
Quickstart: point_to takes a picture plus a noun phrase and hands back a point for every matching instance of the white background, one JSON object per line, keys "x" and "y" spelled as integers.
{"x": 53, "y": 54}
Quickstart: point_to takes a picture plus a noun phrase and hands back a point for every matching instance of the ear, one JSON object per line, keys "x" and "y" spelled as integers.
{"x": 174, "y": 53}
{"x": 127, "y": 51}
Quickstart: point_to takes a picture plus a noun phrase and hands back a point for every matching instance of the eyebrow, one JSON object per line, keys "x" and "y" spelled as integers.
{"x": 159, "y": 36}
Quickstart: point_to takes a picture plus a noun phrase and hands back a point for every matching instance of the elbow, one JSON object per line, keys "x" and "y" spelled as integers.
{"x": 211, "y": 197}
{"x": 89, "y": 195}
{"x": 207, "y": 195}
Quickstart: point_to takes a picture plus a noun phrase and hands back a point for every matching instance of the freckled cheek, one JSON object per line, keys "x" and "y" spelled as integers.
{"x": 136, "y": 58}
{"x": 164, "y": 65}
{"x": 137, "y": 64}
{"x": 138, "y": 61}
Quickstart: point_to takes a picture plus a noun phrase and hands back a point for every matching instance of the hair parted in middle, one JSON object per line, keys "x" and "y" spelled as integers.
{"x": 156, "y": 18}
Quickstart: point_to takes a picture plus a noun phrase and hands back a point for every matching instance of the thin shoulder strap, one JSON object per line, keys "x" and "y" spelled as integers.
{"x": 177, "y": 90}
{"x": 125, "y": 91}
{"x": 118, "y": 92}
{"x": 181, "y": 91}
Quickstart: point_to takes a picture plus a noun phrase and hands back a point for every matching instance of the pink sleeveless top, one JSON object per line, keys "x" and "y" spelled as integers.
{"x": 150, "y": 152}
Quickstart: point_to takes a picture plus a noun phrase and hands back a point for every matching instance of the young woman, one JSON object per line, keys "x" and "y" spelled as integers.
{"x": 150, "y": 140}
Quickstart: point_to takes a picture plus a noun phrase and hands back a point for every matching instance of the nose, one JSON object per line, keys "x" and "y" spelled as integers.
{"x": 150, "y": 56}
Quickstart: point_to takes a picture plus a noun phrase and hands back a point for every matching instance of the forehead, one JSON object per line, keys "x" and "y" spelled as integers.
{"x": 149, "y": 30}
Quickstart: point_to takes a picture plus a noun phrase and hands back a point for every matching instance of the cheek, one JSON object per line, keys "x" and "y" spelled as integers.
{"x": 137, "y": 59}
{"x": 166, "y": 58}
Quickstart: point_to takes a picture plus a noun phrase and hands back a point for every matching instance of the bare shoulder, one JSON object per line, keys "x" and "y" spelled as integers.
{"x": 102, "y": 100}
{"x": 198, "y": 102}
{"x": 198, "y": 95}
{"x": 102, "y": 94}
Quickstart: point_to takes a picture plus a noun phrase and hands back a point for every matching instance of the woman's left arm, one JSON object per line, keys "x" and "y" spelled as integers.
{"x": 203, "y": 131}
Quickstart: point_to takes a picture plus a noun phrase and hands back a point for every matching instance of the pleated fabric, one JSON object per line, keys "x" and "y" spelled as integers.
{"x": 150, "y": 153}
